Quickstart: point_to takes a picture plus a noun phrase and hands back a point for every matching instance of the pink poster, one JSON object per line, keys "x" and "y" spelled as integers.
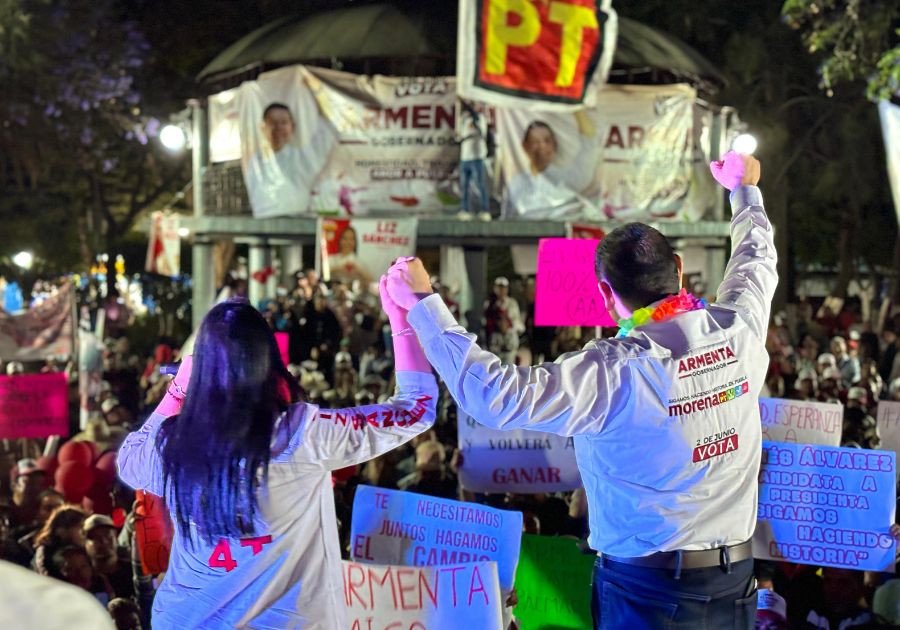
{"x": 566, "y": 292}
{"x": 281, "y": 338}
{"x": 34, "y": 405}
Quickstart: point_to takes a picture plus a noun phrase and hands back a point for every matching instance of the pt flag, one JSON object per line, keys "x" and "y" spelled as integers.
{"x": 512, "y": 52}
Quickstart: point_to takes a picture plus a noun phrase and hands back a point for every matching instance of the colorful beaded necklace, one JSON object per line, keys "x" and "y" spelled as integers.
{"x": 662, "y": 310}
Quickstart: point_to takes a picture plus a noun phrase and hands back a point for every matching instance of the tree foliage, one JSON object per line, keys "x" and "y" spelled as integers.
{"x": 821, "y": 152}
{"x": 76, "y": 141}
{"x": 854, "y": 39}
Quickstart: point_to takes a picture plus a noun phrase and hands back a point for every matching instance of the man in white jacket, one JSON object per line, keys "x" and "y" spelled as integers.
{"x": 665, "y": 417}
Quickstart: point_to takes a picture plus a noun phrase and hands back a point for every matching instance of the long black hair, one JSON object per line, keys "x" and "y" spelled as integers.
{"x": 215, "y": 454}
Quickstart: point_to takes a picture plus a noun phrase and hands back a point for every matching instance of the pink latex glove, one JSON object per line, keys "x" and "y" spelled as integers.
{"x": 729, "y": 171}
{"x": 396, "y": 314}
{"x": 171, "y": 403}
{"x": 408, "y": 353}
{"x": 407, "y": 282}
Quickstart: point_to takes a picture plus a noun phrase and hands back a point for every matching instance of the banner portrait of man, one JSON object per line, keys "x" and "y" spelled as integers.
{"x": 286, "y": 139}
{"x": 549, "y": 186}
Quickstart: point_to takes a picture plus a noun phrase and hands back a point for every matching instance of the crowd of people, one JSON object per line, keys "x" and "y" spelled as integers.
{"x": 80, "y": 528}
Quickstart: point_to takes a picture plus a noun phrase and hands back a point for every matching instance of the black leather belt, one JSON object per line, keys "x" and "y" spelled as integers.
{"x": 700, "y": 559}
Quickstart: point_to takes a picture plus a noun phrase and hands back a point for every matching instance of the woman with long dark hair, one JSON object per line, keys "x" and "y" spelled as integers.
{"x": 62, "y": 528}
{"x": 245, "y": 468}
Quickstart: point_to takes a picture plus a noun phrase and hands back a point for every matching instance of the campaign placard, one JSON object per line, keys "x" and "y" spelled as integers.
{"x": 394, "y": 527}
{"x": 888, "y": 423}
{"x": 519, "y": 461}
{"x": 34, "y": 405}
{"x": 553, "y": 584}
{"x": 438, "y": 598}
{"x": 826, "y": 506}
{"x": 566, "y": 291}
{"x": 362, "y": 249}
{"x": 801, "y": 421}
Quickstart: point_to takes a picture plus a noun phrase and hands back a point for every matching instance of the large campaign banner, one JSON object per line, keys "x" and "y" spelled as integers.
{"x": 362, "y": 249}
{"x": 420, "y": 598}
{"x": 801, "y": 421}
{"x": 393, "y": 527}
{"x": 628, "y": 158}
{"x": 322, "y": 141}
{"x": 826, "y": 506}
{"x": 515, "y": 52}
{"x": 44, "y": 331}
{"x": 519, "y": 461}
{"x": 553, "y": 584}
{"x": 34, "y": 405}
{"x": 566, "y": 289}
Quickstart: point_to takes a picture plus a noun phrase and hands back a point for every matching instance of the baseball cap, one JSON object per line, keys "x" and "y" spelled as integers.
{"x": 97, "y": 520}
{"x": 501, "y": 280}
{"x": 767, "y": 599}
{"x": 857, "y": 393}
{"x": 827, "y": 358}
{"x": 109, "y": 404}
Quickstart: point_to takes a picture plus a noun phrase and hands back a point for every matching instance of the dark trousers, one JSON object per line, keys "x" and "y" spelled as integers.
{"x": 636, "y": 598}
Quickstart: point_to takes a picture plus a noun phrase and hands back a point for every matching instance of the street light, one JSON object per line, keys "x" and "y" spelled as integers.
{"x": 745, "y": 143}
{"x": 173, "y": 137}
{"x": 24, "y": 260}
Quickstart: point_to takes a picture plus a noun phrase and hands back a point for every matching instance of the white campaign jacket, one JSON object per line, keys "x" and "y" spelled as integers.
{"x": 665, "y": 421}
{"x": 289, "y": 575}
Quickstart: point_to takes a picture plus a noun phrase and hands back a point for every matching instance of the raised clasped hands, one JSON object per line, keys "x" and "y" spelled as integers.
{"x": 406, "y": 281}
{"x": 736, "y": 169}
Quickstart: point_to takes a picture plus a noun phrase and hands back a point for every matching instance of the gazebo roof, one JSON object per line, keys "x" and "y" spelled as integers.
{"x": 387, "y": 32}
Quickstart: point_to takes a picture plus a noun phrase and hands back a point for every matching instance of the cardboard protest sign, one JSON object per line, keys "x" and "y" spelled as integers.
{"x": 362, "y": 249}
{"x": 566, "y": 291}
{"x": 888, "y": 423}
{"x": 801, "y": 421}
{"x": 34, "y": 405}
{"x": 557, "y": 52}
{"x": 395, "y": 527}
{"x": 416, "y": 598}
{"x": 826, "y": 506}
{"x": 520, "y": 461}
{"x": 553, "y": 583}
